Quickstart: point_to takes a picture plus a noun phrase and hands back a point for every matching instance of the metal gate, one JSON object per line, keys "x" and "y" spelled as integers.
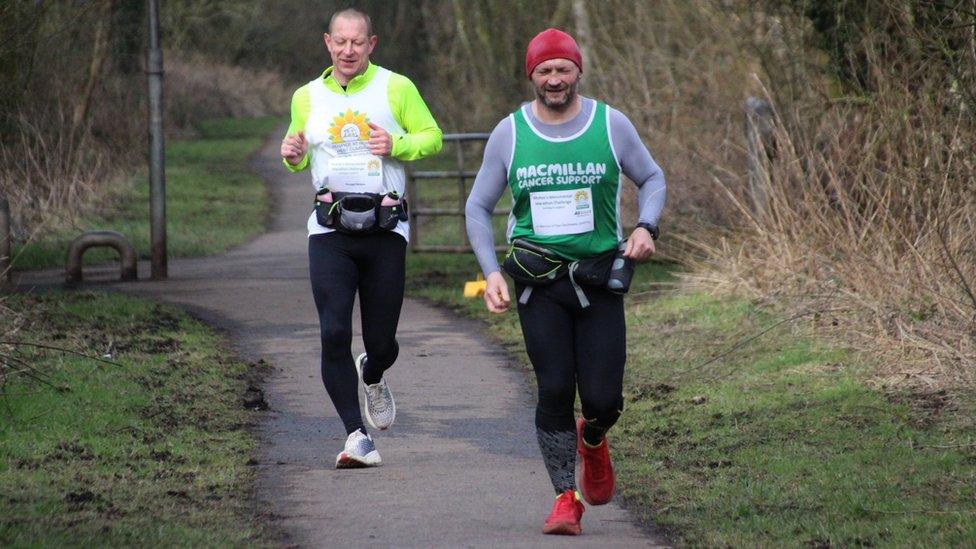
{"x": 419, "y": 212}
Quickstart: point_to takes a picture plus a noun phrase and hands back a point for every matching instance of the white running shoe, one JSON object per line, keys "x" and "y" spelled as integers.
{"x": 380, "y": 406}
{"x": 359, "y": 452}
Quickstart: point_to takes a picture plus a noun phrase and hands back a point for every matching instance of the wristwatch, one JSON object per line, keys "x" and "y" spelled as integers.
{"x": 651, "y": 228}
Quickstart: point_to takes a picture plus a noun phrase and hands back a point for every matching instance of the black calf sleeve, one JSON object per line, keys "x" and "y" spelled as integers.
{"x": 573, "y": 348}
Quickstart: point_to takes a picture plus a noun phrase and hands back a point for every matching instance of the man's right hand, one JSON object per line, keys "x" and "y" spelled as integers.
{"x": 294, "y": 147}
{"x": 496, "y": 293}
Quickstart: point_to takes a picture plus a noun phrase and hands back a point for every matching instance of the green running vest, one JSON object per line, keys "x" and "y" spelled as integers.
{"x": 566, "y": 191}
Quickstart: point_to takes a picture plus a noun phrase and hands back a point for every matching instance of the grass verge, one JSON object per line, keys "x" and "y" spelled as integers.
{"x": 213, "y": 202}
{"x": 781, "y": 440}
{"x": 152, "y": 450}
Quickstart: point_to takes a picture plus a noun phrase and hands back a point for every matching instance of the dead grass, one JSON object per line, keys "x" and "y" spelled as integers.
{"x": 53, "y": 175}
{"x": 867, "y": 207}
{"x": 198, "y": 89}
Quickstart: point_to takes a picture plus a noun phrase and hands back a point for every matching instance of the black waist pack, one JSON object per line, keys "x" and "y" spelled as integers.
{"x": 533, "y": 265}
{"x": 359, "y": 213}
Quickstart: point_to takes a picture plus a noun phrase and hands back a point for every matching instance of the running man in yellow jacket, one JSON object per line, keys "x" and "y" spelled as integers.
{"x": 354, "y": 126}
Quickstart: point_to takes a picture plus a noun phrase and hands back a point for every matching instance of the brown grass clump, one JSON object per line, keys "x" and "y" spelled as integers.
{"x": 197, "y": 88}
{"x": 678, "y": 71}
{"x": 51, "y": 177}
{"x": 866, "y": 205}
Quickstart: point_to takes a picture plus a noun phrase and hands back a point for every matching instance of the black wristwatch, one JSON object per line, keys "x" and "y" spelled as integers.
{"x": 651, "y": 228}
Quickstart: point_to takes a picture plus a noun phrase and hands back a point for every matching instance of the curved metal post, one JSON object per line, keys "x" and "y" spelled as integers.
{"x": 92, "y": 239}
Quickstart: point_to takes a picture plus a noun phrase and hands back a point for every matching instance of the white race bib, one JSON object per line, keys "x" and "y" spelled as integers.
{"x": 361, "y": 173}
{"x": 562, "y": 212}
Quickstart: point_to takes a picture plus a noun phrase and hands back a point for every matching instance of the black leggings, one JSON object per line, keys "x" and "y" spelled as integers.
{"x": 573, "y": 347}
{"x": 339, "y": 265}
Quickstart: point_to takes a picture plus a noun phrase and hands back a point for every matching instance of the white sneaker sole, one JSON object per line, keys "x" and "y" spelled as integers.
{"x": 369, "y": 417}
{"x": 350, "y": 461}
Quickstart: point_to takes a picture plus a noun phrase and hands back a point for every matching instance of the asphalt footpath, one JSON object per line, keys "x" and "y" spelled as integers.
{"x": 461, "y": 466}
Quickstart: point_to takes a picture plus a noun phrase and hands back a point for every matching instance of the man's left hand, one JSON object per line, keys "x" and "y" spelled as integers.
{"x": 640, "y": 245}
{"x": 380, "y": 142}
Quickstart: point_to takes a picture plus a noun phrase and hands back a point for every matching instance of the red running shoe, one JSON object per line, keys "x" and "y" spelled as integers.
{"x": 596, "y": 469}
{"x": 565, "y": 516}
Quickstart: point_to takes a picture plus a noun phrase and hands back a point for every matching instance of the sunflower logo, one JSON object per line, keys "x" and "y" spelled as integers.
{"x": 582, "y": 199}
{"x": 349, "y": 126}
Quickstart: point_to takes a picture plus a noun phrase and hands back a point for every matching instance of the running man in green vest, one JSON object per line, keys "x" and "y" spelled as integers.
{"x": 355, "y": 126}
{"x": 562, "y": 156}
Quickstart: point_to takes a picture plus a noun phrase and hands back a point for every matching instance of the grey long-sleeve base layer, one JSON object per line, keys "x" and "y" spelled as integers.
{"x": 492, "y": 179}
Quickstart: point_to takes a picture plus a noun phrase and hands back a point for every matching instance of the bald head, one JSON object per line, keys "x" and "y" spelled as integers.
{"x": 354, "y": 14}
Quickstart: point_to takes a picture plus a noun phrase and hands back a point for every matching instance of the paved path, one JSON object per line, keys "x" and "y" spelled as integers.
{"x": 461, "y": 464}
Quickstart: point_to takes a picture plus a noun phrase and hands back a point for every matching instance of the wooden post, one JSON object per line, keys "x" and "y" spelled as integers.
{"x": 412, "y": 208}
{"x": 761, "y": 148}
{"x": 462, "y": 198}
{"x": 5, "y": 267}
{"x": 157, "y": 176}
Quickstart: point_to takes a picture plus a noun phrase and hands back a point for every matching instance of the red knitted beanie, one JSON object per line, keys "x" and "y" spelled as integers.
{"x": 551, "y": 44}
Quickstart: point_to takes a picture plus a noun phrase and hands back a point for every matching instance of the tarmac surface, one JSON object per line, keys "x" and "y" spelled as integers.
{"x": 461, "y": 465}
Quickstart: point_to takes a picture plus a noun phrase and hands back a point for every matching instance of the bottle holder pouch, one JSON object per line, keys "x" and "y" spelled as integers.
{"x": 388, "y": 216}
{"x": 593, "y": 271}
{"x": 621, "y": 271}
{"x": 326, "y": 213}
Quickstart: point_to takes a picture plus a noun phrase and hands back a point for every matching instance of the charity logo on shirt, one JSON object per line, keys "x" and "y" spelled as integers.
{"x": 349, "y": 133}
{"x": 582, "y": 199}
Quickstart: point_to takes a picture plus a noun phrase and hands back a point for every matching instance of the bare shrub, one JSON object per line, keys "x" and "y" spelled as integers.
{"x": 870, "y": 203}
{"x": 678, "y": 70}
{"x": 54, "y": 176}
{"x": 477, "y": 57}
{"x": 196, "y": 88}
{"x": 50, "y": 177}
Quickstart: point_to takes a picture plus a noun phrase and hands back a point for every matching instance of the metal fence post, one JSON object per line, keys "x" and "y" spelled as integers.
{"x": 157, "y": 177}
{"x": 411, "y": 205}
{"x": 462, "y": 195}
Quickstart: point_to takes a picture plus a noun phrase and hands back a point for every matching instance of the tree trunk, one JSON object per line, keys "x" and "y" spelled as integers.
{"x": 99, "y": 52}
{"x": 584, "y": 35}
{"x": 20, "y": 23}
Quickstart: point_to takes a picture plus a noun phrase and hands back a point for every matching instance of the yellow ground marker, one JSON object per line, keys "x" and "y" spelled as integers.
{"x": 475, "y": 288}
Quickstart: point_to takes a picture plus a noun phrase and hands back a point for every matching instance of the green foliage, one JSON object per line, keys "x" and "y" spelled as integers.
{"x": 858, "y": 35}
{"x": 151, "y": 450}
{"x": 781, "y": 441}
{"x": 213, "y": 200}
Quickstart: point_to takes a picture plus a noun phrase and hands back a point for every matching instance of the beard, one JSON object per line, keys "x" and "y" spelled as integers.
{"x": 559, "y": 105}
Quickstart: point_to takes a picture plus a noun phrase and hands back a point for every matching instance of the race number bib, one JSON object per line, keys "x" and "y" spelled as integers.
{"x": 562, "y": 212}
{"x": 362, "y": 173}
